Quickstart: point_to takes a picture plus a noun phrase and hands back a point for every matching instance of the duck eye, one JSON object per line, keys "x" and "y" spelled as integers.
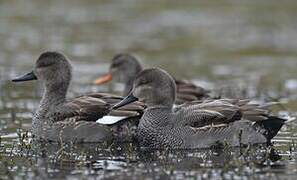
{"x": 42, "y": 64}
{"x": 143, "y": 81}
{"x": 116, "y": 64}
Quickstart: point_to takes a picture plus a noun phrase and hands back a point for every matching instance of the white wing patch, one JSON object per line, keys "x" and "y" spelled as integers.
{"x": 110, "y": 119}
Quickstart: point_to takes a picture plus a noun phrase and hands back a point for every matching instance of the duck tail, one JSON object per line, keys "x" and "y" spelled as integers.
{"x": 271, "y": 126}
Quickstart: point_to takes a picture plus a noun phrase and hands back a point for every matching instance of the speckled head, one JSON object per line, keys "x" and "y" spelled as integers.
{"x": 52, "y": 68}
{"x": 124, "y": 67}
{"x": 154, "y": 87}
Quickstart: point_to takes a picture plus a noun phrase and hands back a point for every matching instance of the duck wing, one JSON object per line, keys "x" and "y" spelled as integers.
{"x": 220, "y": 111}
{"x": 187, "y": 91}
{"x": 232, "y": 120}
{"x": 95, "y": 106}
{"x": 129, "y": 110}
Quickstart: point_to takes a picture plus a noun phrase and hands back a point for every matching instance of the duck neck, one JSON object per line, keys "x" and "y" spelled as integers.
{"x": 128, "y": 86}
{"x": 54, "y": 95}
{"x": 130, "y": 79}
{"x": 156, "y": 116}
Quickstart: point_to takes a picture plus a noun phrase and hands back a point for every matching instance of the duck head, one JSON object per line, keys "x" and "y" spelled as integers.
{"x": 52, "y": 68}
{"x": 154, "y": 87}
{"x": 123, "y": 69}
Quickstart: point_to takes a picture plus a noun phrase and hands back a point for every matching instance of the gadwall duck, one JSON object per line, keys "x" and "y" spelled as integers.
{"x": 125, "y": 67}
{"x": 61, "y": 119}
{"x": 195, "y": 124}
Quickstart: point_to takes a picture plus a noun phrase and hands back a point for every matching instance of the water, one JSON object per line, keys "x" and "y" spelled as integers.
{"x": 250, "y": 44}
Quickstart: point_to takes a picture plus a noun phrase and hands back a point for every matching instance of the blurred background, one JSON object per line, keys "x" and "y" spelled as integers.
{"x": 253, "y": 41}
{"x": 250, "y": 45}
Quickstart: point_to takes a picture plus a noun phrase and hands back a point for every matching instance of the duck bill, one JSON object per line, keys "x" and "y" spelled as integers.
{"x": 27, "y": 77}
{"x": 103, "y": 79}
{"x": 127, "y": 100}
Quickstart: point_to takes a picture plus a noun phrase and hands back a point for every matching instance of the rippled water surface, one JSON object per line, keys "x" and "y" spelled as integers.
{"x": 248, "y": 45}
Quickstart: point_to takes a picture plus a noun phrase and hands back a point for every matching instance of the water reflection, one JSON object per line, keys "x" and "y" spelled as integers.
{"x": 126, "y": 161}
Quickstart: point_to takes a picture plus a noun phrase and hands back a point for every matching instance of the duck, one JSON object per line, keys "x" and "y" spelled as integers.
{"x": 124, "y": 68}
{"x": 60, "y": 119}
{"x": 196, "y": 124}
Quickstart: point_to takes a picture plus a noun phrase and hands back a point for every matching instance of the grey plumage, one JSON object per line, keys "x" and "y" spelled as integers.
{"x": 197, "y": 124}
{"x": 61, "y": 119}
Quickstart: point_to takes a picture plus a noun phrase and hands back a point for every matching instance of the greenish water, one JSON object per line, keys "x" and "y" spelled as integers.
{"x": 250, "y": 45}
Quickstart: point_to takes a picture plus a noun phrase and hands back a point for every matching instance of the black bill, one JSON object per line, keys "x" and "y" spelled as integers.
{"x": 27, "y": 77}
{"x": 127, "y": 100}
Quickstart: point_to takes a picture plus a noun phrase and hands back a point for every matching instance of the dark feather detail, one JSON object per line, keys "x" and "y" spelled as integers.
{"x": 187, "y": 91}
{"x": 271, "y": 126}
{"x": 94, "y": 106}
